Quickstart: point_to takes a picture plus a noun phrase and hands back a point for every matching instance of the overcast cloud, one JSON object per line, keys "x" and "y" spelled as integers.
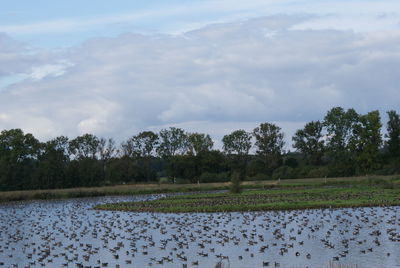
{"x": 214, "y": 79}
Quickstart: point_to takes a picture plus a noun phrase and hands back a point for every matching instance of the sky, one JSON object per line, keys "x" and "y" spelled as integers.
{"x": 115, "y": 68}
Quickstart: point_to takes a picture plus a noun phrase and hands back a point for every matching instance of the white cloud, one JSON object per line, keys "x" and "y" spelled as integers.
{"x": 215, "y": 79}
{"x": 54, "y": 70}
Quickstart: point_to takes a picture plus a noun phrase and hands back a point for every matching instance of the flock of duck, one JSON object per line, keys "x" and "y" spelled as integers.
{"x": 68, "y": 233}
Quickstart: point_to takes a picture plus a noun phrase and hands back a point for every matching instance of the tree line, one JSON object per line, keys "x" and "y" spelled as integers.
{"x": 344, "y": 143}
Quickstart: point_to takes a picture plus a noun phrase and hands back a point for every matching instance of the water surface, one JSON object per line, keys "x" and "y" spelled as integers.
{"x": 68, "y": 233}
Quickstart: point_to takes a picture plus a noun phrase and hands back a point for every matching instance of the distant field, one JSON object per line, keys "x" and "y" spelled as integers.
{"x": 132, "y": 189}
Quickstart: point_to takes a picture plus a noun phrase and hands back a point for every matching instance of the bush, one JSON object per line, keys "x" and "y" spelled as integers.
{"x": 170, "y": 180}
{"x": 318, "y": 172}
{"x": 235, "y": 183}
{"x": 283, "y": 172}
{"x": 214, "y": 177}
{"x": 181, "y": 181}
{"x": 341, "y": 170}
{"x": 165, "y": 180}
{"x": 291, "y": 162}
{"x": 259, "y": 177}
{"x": 255, "y": 167}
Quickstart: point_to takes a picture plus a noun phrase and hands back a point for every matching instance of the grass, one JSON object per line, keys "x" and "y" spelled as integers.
{"x": 129, "y": 189}
{"x": 377, "y": 192}
{"x": 135, "y": 189}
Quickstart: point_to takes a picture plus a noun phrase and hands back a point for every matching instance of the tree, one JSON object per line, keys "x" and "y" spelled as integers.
{"x": 173, "y": 141}
{"x": 198, "y": 145}
{"x": 106, "y": 150}
{"x": 84, "y": 146}
{"x": 129, "y": 158}
{"x": 144, "y": 146}
{"x": 309, "y": 141}
{"x": 213, "y": 161}
{"x": 340, "y": 127}
{"x": 146, "y": 143}
{"x": 366, "y": 141}
{"x": 128, "y": 149}
{"x": 85, "y": 169}
{"x": 238, "y": 142}
{"x": 237, "y": 145}
{"x": 269, "y": 144}
{"x": 18, "y": 157}
{"x": 53, "y": 163}
{"x": 393, "y": 134}
{"x": 199, "y": 142}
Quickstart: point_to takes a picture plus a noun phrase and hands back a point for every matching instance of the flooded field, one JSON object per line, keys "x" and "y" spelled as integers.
{"x": 68, "y": 233}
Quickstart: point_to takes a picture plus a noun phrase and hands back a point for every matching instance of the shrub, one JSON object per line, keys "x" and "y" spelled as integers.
{"x": 259, "y": 177}
{"x": 165, "y": 180}
{"x": 318, "y": 172}
{"x": 235, "y": 187}
{"x": 181, "y": 181}
{"x": 283, "y": 172}
{"x": 214, "y": 177}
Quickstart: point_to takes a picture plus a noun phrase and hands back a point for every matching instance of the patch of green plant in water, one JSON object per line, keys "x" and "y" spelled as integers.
{"x": 282, "y": 199}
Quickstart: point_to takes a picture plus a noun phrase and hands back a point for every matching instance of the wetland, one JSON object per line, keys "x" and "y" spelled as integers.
{"x": 70, "y": 233}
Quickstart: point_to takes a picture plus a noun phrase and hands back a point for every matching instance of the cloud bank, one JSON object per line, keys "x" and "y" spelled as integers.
{"x": 214, "y": 79}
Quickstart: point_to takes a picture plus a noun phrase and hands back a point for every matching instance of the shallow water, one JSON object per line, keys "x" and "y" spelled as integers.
{"x": 68, "y": 233}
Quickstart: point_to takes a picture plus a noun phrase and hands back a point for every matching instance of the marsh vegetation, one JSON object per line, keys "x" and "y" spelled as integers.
{"x": 373, "y": 192}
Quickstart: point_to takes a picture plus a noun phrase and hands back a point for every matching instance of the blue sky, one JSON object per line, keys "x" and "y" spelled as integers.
{"x": 47, "y": 23}
{"x": 116, "y": 68}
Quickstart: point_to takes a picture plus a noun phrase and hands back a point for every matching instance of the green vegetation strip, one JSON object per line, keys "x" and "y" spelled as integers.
{"x": 140, "y": 189}
{"x": 260, "y": 200}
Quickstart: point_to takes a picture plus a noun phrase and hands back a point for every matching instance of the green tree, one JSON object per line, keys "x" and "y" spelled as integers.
{"x": 199, "y": 142}
{"x": 129, "y": 159}
{"x": 237, "y": 145}
{"x": 340, "y": 126}
{"x": 18, "y": 158}
{"x": 213, "y": 161}
{"x": 181, "y": 166}
{"x": 107, "y": 150}
{"x": 269, "y": 144}
{"x": 366, "y": 141}
{"x": 198, "y": 146}
{"x": 85, "y": 146}
{"x": 53, "y": 163}
{"x": 128, "y": 149}
{"x": 146, "y": 143}
{"x": 238, "y": 142}
{"x": 309, "y": 141}
{"x": 173, "y": 141}
{"x": 144, "y": 146}
{"x": 393, "y": 134}
{"x": 85, "y": 169}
